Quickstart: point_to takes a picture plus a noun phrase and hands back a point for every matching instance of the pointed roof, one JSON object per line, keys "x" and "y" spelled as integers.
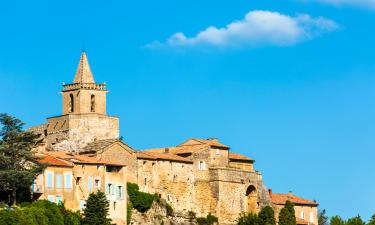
{"x": 83, "y": 74}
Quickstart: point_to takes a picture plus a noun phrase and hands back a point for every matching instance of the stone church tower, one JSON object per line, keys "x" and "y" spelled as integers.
{"x": 84, "y": 118}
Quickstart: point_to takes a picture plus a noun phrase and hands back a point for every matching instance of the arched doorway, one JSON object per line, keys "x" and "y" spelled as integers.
{"x": 252, "y": 199}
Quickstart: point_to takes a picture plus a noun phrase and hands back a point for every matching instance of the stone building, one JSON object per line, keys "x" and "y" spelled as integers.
{"x": 71, "y": 178}
{"x": 306, "y": 211}
{"x": 199, "y": 175}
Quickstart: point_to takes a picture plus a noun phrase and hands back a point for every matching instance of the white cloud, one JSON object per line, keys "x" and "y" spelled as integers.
{"x": 258, "y": 28}
{"x": 361, "y": 3}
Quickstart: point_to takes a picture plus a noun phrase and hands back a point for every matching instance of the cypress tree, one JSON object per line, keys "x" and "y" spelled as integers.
{"x": 96, "y": 211}
{"x": 287, "y": 215}
{"x": 267, "y": 216}
{"x": 336, "y": 220}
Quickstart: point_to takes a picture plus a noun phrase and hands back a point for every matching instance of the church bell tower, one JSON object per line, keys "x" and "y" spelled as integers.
{"x": 84, "y": 96}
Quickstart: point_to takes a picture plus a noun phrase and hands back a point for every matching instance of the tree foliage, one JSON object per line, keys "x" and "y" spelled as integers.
{"x": 267, "y": 216}
{"x": 248, "y": 219}
{"x": 355, "y": 221}
{"x": 287, "y": 214}
{"x": 372, "y": 220}
{"x": 337, "y": 220}
{"x": 96, "y": 211}
{"x": 208, "y": 220}
{"x": 18, "y": 164}
{"x": 39, "y": 213}
{"x": 141, "y": 201}
{"x": 322, "y": 217}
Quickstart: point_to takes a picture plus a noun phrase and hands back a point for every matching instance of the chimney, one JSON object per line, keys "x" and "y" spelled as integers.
{"x": 42, "y": 147}
{"x": 166, "y": 150}
{"x": 290, "y": 193}
{"x": 270, "y": 191}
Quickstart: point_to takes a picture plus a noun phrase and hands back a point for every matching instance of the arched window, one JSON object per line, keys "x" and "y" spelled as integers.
{"x": 92, "y": 103}
{"x": 71, "y": 103}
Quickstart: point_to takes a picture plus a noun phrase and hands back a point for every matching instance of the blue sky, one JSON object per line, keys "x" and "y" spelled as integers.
{"x": 289, "y": 83}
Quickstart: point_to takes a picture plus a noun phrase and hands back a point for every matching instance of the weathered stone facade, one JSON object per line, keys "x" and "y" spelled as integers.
{"x": 200, "y": 175}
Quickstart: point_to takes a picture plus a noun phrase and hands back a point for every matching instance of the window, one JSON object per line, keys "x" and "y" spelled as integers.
{"x": 113, "y": 189}
{"x": 311, "y": 217}
{"x": 68, "y": 180}
{"x": 92, "y": 103}
{"x": 145, "y": 181}
{"x": 174, "y": 178}
{"x": 71, "y": 103}
{"x": 108, "y": 188}
{"x": 202, "y": 165}
{"x": 114, "y": 205}
{"x": 120, "y": 193}
{"x": 302, "y": 215}
{"x": 78, "y": 180}
{"x": 97, "y": 183}
{"x": 217, "y": 151}
{"x": 59, "y": 180}
{"x": 82, "y": 204}
{"x": 59, "y": 199}
{"x": 51, "y": 198}
{"x": 89, "y": 184}
{"x": 113, "y": 168}
{"x": 49, "y": 182}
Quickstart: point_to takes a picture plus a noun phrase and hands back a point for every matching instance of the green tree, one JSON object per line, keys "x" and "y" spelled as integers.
{"x": 336, "y": 220}
{"x": 355, "y": 221}
{"x": 96, "y": 211}
{"x": 18, "y": 165}
{"x": 248, "y": 219}
{"x": 267, "y": 216}
{"x": 372, "y": 220}
{"x": 323, "y": 218}
{"x": 287, "y": 214}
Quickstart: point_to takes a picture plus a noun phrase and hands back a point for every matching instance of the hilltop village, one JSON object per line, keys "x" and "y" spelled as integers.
{"x": 84, "y": 153}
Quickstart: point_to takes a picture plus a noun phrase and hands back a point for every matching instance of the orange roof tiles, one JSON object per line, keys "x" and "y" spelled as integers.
{"x": 81, "y": 159}
{"x": 210, "y": 142}
{"x": 53, "y": 161}
{"x": 236, "y": 156}
{"x": 162, "y": 156}
{"x": 280, "y": 199}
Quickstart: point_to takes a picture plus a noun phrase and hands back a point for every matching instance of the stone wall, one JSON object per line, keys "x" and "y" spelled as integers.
{"x": 74, "y": 132}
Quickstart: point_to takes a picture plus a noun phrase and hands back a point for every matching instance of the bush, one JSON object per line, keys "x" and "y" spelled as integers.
{"x": 129, "y": 212}
{"x": 169, "y": 209}
{"x": 141, "y": 201}
{"x": 209, "y": 220}
{"x": 248, "y": 219}
{"x": 39, "y": 213}
{"x": 192, "y": 216}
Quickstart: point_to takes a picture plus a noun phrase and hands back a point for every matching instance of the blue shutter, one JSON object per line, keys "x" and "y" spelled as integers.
{"x": 89, "y": 184}
{"x": 58, "y": 181}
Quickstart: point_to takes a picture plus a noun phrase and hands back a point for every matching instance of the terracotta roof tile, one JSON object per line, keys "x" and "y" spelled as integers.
{"x": 198, "y": 141}
{"x": 53, "y": 161}
{"x": 162, "y": 156}
{"x": 82, "y": 159}
{"x": 236, "y": 156}
{"x": 99, "y": 145}
{"x": 280, "y": 199}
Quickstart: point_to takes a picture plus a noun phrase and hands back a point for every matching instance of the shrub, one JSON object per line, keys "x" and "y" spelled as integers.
{"x": 141, "y": 201}
{"x": 192, "y": 216}
{"x": 209, "y": 220}
{"x": 50, "y": 212}
{"x": 169, "y": 209}
{"x": 70, "y": 218}
{"x": 129, "y": 212}
{"x": 248, "y": 219}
